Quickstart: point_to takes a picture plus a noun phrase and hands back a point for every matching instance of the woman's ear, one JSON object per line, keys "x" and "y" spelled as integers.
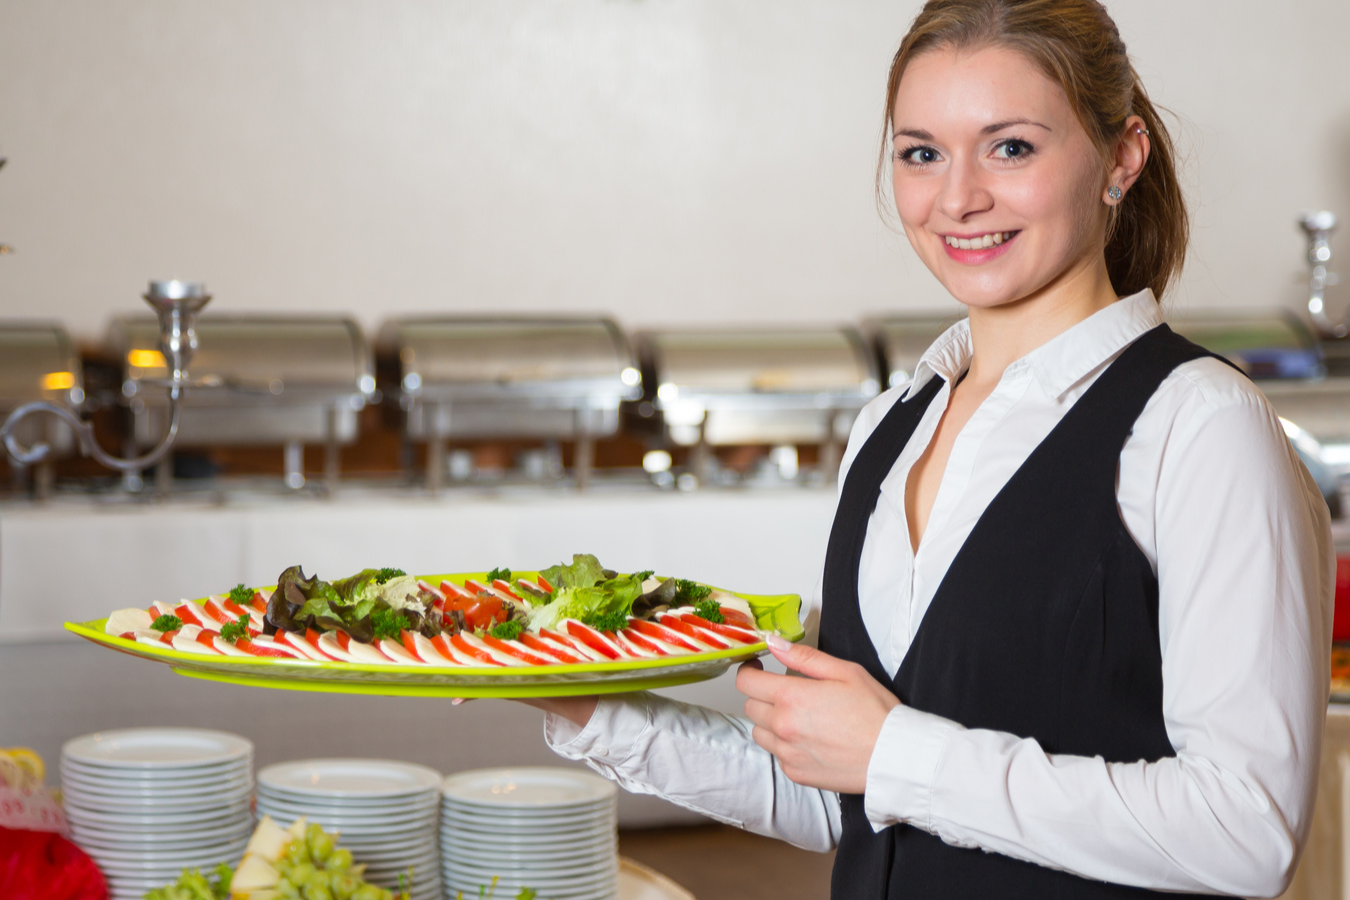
{"x": 1132, "y": 149}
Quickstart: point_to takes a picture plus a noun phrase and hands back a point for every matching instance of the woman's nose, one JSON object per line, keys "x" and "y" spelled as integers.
{"x": 963, "y": 192}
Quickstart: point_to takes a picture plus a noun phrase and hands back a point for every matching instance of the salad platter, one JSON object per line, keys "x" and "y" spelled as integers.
{"x": 571, "y": 629}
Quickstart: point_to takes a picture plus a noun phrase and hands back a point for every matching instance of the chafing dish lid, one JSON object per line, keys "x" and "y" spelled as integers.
{"x": 38, "y": 362}
{"x": 283, "y": 356}
{"x": 1265, "y": 343}
{"x": 902, "y": 340}
{"x": 466, "y": 356}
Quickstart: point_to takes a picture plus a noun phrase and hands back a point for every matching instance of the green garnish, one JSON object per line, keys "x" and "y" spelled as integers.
{"x": 241, "y": 595}
{"x": 643, "y": 575}
{"x": 388, "y": 624}
{"x": 691, "y": 591}
{"x": 507, "y": 631}
{"x": 503, "y": 574}
{"x": 386, "y": 574}
{"x": 233, "y": 631}
{"x": 709, "y": 610}
{"x": 167, "y": 622}
{"x": 610, "y": 621}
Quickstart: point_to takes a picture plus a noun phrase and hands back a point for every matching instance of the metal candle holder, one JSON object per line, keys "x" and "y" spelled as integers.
{"x": 176, "y": 304}
{"x": 1318, "y": 226}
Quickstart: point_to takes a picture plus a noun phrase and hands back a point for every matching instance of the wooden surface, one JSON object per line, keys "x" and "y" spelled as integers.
{"x": 718, "y": 862}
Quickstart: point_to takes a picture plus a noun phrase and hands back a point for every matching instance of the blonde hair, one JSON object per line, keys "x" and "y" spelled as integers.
{"x": 1076, "y": 44}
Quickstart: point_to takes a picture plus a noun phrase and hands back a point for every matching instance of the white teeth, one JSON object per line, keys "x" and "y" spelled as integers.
{"x": 983, "y": 242}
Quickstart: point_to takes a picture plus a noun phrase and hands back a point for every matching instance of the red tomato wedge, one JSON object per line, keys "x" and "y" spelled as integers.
{"x": 516, "y": 649}
{"x": 411, "y": 646}
{"x": 184, "y": 612}
{"x": 468, "y": 649}
{"x": 547, "y": 647}
{"x": 543, "y": 583}
{"x": 168, "y": 636}
{"x": 640, "y": 641}
{"x": 662, "y": 633}
{"x": 571, "y": 645}
{"x": 128, "y": 635}
{"x": 259, "y": 602}
{"x": 727, "y": 631}
{"x": 217, "y": 612}
{"x": 690, "y": 631}
{"x": 442, "y": 645}
{"x": 452, "y": 591}
{"x": 258, "y": 650}
{"x": 312, "y": 638}
{"x": 207, "y": 638}
{"x": 343, "y": 638}
{"x": 591, "y": 638}
{"x": 505, "y": 588}
{"x": 234, "y": 609}
{"x": 736, "y": 617}
{"x": 154, "y": 613}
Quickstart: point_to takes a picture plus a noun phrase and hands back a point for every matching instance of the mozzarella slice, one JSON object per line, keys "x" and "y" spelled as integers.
{"x": 398, "y": 653}
{"x": 328, "y": 643}
{"x": 124, "y": 620}
{"x": 505, "y": 659}
{"x": 365, "y": 653}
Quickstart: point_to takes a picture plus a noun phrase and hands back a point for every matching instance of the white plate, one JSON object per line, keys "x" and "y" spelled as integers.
{"x": 391, "y": 825}
{"x": 510, "y": 825}
{"x": 114, "y": 790}
{"x": 147, "y": 748}
{"x": 523, "y": 853}
{"x": 508, "y": 885}
{"x": 164, "y": 818}
{"x": 159, "y": 771}
{"x": 219, "y": 850}
{"x": 420, "y": 798}
{"x": 543, "y": 869}
{"x": 120, "y": 839}
{"x": 185, "y": 802}
{"x": 542, "y": 842}
{"x": 401, "y": 811}
{"x": 527, "y": 787}
{"x": 356, "y": 778}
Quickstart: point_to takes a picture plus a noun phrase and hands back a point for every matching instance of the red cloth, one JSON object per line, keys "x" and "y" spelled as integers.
{"x": 40, "y": 865}
{"x": 1340, "y": 625}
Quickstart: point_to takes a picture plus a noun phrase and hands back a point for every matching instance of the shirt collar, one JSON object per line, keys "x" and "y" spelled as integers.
{"x": 1060, "y": 362}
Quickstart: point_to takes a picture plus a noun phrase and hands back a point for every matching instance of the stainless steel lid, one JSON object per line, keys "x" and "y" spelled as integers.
{"x": 902, "y": 340}
{"x": 1264, "y": 343}
{"x": 548, "y": 361}
{"x": 38, "y": 362}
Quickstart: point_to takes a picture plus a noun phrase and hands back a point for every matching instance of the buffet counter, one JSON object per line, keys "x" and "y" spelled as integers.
{"x": 78, "y": 560}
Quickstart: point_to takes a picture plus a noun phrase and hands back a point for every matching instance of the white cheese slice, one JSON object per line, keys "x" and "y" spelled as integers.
{"x": 328, "y": 643}
{"x": 124, "y": 620}
{"x": 505, "y": 659}
{"x": 431, "y": 653}
{"x": 186, "y": 641}
{"x": 398, "y": 653}
{"x": 365, "y": 653}
{"x": 228, "y": 649}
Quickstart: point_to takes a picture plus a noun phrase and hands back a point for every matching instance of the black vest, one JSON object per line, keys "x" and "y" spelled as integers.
{"x": 1045, "y": 626}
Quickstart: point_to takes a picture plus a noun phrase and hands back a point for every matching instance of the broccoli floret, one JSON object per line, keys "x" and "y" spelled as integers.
{"x": 709, "y": 610}
{"x": 503, "y": 574}
{"x": 233, "y": 631}
{"x": 388, "y": 624}
{"x": 508, "y": 631}
{"x": 386, "y": 574}
{"x": 167, "y": 622}
{"x": 241, "y": 595}
{"x": 691, "y": 591}
{"x": 610, "y": 621}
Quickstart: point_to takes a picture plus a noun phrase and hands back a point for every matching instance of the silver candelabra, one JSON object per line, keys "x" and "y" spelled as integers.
{"x": 1318, "y": 226}
{"x": 176, "y": 303}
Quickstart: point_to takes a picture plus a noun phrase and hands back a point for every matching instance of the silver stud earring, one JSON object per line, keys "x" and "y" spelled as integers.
{"x": 1114, "y": 192}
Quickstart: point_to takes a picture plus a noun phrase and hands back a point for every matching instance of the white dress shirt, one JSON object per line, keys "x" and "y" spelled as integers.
{"x": 1239, "y": 537}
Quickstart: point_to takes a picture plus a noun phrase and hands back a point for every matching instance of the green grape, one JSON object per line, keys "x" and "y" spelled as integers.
{"x": 287, "y": 889}
{"x": 344, "y": 885}
{"x": 320, "y": 844}
{"x": 367, "y": 892}
{"x": 318, "y": 892}
{"x": 319, "y": 879}
{"x": 301, "y": 874}
{"x": 297, "y": 852}
{"x": 340, "y": 861}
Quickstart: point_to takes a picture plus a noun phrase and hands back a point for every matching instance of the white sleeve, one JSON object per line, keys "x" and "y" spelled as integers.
{"x": 699, "y": 759}
{"x": 1246, "y": 576}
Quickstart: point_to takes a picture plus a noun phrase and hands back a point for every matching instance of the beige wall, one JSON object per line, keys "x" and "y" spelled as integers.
{"x": 663, "y": 160}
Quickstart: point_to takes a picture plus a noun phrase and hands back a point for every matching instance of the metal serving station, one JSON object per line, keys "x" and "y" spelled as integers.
{"x": 39, "y": 363}
{"x": 900, "y": 341}
{"x": 781, "y": 388}
{"x": 545, "y": 378}
{"x": 260, "y": 380}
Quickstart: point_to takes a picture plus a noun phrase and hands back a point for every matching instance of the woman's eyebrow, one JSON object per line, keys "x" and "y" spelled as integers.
{"x": 999, "y": 126}
{"x": 917, "y": 133}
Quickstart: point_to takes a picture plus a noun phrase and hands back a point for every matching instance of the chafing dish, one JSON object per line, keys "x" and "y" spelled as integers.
{"x": 901, "y": 340}
{"x": 38, "y": 362}
{"x": 737, "y": 386}
{"x": 258, "y": 380}
{"x": 497, "y": 377}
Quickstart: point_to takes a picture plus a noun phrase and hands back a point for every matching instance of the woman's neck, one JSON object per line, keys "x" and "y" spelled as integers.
{"x": 1001, "y": 335}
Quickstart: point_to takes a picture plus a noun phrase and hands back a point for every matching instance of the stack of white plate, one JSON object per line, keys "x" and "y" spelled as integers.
{"x": 549, "y": 829}
{"x": 147, "y": 803}
{"x": 385, "y": 811}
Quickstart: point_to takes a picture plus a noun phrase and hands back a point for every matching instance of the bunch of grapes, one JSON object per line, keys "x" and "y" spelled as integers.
{"x": 313, "y": 869}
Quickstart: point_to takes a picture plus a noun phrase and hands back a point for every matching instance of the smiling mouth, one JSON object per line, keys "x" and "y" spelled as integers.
{"x": 980, "y": 242}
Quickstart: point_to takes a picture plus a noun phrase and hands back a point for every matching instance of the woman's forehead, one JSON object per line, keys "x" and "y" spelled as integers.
{"x": 968, "y": 90}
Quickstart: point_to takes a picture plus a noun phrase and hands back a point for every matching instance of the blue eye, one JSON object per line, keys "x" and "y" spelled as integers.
{"x": 1013, "y": 149}
{"x": 919, "y": 156}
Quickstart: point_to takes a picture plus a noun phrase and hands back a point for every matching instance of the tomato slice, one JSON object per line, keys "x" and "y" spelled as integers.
{"x": 727, "y": 631}
{"x": 554, "y": 650}
{"x": 344, "y": 639}
{"x": 543, "y": 583}
{"x": 591, "y": 638}
{"x": 128, "y": 635}
{"x": 516, "y": 649}
{"x": 312, "y": 638}
{"x": 690, "y": 631}
{"x": 736, "y": 617}
{"x": 234, "y": 609}
{"x": 207, "y": 638}
{"x": 256, "y": 650}
{"x": 217, "y": 612}
{"x": 411, "y": 645}
{"x": 442, "y": 645}
{"x": 453, "y": 591}
{"x": 505, "y": 588}
{"x": 168, "y": 636}
{"x": 259, "y": 602}
{"x": 468, "y": 649}
{"x": 186, "y": 613}
{"x": 662, "y": 633}
{"x": 644, "y": 643}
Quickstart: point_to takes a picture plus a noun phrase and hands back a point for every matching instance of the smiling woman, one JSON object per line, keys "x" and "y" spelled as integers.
{"x": 1074, "y": 616}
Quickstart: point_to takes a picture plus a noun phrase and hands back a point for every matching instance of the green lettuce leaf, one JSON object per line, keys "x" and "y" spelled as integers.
{"x": 585, "y": 571}
{"x": 606, "y": 598}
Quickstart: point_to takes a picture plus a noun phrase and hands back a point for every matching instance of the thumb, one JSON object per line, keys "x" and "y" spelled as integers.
{"x": 808, "y": 661}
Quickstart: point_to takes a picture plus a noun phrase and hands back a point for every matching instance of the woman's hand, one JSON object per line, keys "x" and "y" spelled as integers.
{"x": 823, "y": 727}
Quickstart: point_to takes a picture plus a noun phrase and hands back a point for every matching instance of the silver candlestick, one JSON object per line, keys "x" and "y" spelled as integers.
{"x": 176, "y": 303}
{"x": 1318, "y": 226}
